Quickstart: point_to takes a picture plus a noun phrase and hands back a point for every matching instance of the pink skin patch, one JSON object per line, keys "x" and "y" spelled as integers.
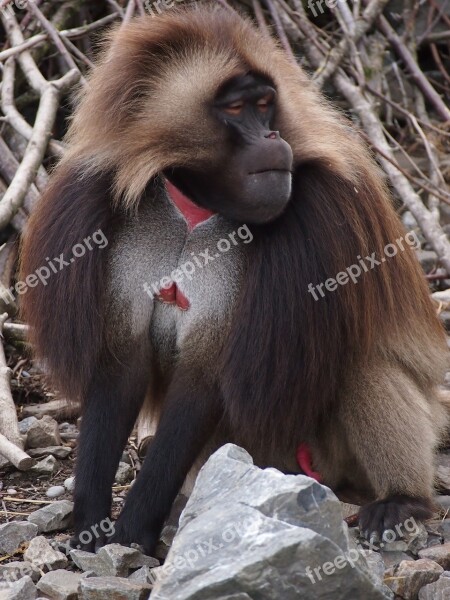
{"x": 304, "y": 460}
{"x": 192, "y": 213}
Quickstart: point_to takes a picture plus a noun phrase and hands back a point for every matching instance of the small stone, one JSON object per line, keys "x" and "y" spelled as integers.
{"x": 47, "y": 466}
{"x": 55, "y": 491}
{"x": 439, "y": 590}
{"x": 53, "y": 517}
{"x": 57, "y": 451}
{"x": 25, "y": 424}
{"x": 43, "y": 433}
{"x": 375, "y": 563}
{"x": 412, "y": 541}
{"x": 392, "y": 559}
{"x": 24, "y": 589}
{"x": 410, "y": 576}
{"x": 15, "y": 570}
{"x": 14, "y": 534}
{"x": 60, "y": 585}
{"x": 111, "y": 588}
{"x": 124, "y": 474}
{"x": 417, "y": 540}
{"x": 68, "y": 428}
{"x": 40, "y": 554}
{"x": 89, "y": 562}
{"x": 143, "y": 575}
{"x": 11, "y": 491}
{"x": 112, "y": 560}
{"x": 121, "y": 559}
{"x": 69, "y": 484}
{"x": 126, "y": 458}
{"x": 440, "y": 554}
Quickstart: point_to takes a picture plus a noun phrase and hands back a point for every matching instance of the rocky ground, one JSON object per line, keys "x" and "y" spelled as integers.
{"x": 242, "y": 529}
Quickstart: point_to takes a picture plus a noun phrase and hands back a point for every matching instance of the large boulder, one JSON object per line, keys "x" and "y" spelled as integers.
{"x": 248, "y": 532}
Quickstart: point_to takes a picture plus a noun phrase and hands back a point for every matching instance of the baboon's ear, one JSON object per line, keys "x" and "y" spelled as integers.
{"x": 72, "y": 209}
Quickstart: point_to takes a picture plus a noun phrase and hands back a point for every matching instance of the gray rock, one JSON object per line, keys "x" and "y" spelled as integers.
{"x": 252, "y": 533}
{"x": 444, "y": 529}
{"x": 112, "y": 560}
{"x": 410, "y": 576}
{"x": 40, "y": 554}
{"x": 440, "y": 554}
{"x": 120, "y": 560}
{"x": 47, "y": 466}
{"x": 294, "y": 499}
{"x": 126, "y": 458}
{"x": 25, "y": 424}
{"x": 392, "y": 559}
{"x": 13, "y": 571}
{"x": 439, "y": 590}
{"x": 124, "y": 473}
{"x": 69, "y": 484}
{"x": 89, "y": 562}
{"x": 53, "y": 517}
{"x": 111, "y": 588}
{"x": 15, "y": 533}
{"x": 143, "y": 575}
{"x": 57, "y": 451}
{"x": 60, "y": 585}
{"x": 55, "y": 491}
{"x": 43, "y": 433}
{"x": 24, "y": 589}
{"x": 375, "y": 563}
{"x": 409, "y": 542}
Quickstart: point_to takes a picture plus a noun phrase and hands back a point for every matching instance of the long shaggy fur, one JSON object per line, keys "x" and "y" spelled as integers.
{"x": 287, "y": 357}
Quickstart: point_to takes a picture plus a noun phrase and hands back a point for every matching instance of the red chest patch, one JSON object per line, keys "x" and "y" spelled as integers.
{"x": 192, "y": 213}
{"x": 173, "y": 295}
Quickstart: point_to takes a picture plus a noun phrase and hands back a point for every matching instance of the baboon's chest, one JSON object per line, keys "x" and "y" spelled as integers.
{"x": 171, "y": 276}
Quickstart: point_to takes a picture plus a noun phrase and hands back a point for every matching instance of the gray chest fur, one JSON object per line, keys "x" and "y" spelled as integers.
{"x": 154, "y": 249}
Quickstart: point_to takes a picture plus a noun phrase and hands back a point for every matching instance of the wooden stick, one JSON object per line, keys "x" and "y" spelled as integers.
{"x": 24, "y": 500}
{"x": 11, "y": 444}
{"x": 13, "y": 453}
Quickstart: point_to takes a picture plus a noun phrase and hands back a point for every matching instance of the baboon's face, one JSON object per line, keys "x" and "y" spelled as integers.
{"x": 251, "y": 181}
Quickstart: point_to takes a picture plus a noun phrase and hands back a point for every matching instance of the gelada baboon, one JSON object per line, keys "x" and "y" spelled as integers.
{"x": 229, "y": 190}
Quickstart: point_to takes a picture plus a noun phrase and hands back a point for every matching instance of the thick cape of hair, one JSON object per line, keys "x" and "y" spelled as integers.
{"x": 287, "y": 355}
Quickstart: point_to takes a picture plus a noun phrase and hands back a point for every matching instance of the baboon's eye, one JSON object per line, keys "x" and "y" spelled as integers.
{"x": 235, "y": 108}
{"x": 264, "y": 103}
